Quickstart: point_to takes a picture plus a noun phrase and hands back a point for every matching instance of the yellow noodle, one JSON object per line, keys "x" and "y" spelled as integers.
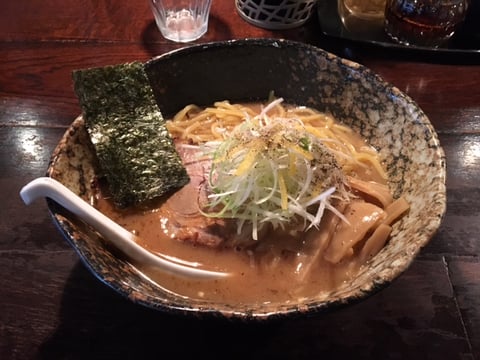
{"x": 184, "y": 112}
{"x": 372, "y": 159}
{"x": 215, "y": 123}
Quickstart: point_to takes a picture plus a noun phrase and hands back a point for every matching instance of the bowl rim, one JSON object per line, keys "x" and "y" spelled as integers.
{"x": 68, "y": 231}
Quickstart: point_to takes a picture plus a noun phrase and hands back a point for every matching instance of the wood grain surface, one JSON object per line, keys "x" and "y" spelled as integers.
{"x": 52, "y": 307}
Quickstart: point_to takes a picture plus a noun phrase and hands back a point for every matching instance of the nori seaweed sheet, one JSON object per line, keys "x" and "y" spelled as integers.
{"x": 135, "y": 150}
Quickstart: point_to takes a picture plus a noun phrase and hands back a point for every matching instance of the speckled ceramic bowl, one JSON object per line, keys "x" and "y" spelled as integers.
{"x": 245, "y": 70}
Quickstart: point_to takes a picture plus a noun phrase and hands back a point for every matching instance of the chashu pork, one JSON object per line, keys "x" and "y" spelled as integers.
{"x": 181, "y": 215}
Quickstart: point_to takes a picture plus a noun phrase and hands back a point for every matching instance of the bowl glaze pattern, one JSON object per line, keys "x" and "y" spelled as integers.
{"x": 247, "y": 70}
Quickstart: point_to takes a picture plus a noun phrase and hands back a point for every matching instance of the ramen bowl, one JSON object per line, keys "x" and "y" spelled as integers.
{"x": 246, "y": 71}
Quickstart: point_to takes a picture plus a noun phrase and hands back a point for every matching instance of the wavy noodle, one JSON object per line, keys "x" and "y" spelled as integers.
{"x": 215, "y": 123}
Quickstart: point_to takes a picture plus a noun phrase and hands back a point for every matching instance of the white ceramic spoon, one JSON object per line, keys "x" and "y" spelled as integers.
{"x": 110, "y": 230}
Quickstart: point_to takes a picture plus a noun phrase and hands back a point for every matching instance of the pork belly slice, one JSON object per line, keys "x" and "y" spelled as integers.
{"x": 181, "y": 216}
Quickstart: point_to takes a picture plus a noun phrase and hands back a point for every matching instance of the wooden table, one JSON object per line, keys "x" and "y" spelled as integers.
{"x": 51, "y": 307}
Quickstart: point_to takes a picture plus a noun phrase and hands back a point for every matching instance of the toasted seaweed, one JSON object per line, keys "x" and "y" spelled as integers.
{"x": 135, "y": 150}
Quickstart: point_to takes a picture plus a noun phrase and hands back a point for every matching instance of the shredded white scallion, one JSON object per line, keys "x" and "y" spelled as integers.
{"x": 271, "y": 171}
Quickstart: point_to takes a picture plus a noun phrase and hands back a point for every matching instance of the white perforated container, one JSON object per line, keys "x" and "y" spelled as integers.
{"x": 275, "y": 14}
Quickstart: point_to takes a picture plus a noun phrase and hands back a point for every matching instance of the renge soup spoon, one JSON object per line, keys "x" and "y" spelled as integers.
{"x": 120, "y": 237}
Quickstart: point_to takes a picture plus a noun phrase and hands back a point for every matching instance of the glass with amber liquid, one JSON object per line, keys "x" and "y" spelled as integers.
{"x": 360, "y": 16}
{"x": 364, "y": 9}
{"x": 429, "y": 23}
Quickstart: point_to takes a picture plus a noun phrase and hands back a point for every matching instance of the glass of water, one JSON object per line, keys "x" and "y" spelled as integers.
{"x": 181, "y": 20}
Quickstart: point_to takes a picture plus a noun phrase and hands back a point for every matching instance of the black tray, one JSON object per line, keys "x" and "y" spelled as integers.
{"x": 465, "y": 41}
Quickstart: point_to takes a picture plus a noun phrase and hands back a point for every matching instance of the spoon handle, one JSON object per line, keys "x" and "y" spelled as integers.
{"x": 119, "y": 236}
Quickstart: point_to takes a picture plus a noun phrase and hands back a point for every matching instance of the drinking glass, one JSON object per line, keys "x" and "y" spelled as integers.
{"x": 360, "y": 17}
{"x": 181, "y": 20}
{"x": 363, "y": 9}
